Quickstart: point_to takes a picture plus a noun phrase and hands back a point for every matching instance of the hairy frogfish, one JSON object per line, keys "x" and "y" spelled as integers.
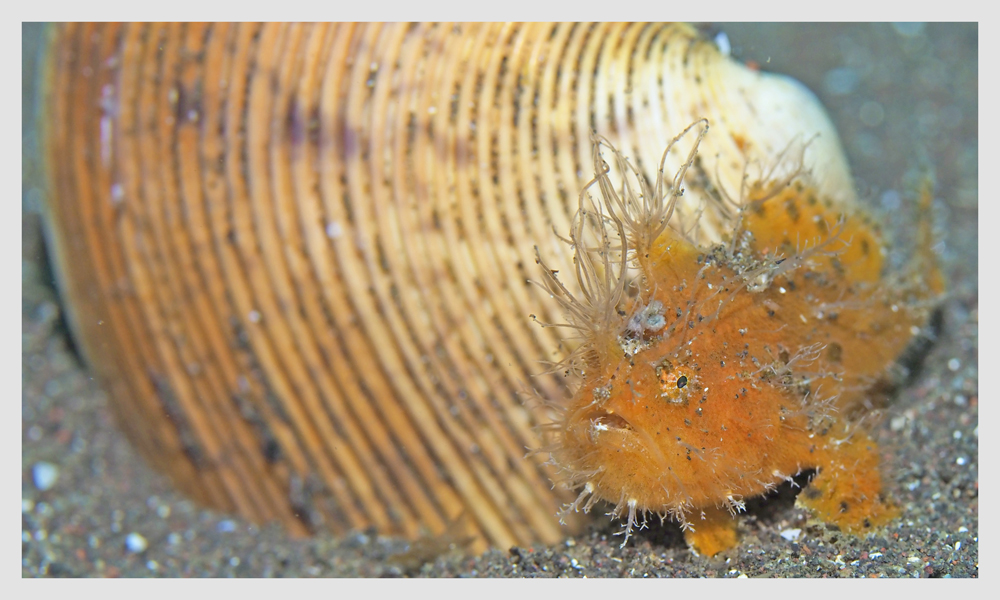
{"x": 708, "y": 374}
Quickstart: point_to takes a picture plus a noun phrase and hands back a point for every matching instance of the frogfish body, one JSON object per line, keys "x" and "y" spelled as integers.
{"x": 711, "y": 374}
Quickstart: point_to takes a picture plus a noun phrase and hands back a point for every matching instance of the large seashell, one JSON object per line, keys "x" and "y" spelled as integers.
{"x": 297, "y": 254}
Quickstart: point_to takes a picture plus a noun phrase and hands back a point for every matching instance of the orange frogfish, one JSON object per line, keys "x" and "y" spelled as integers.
{"x": 710, "y": 375}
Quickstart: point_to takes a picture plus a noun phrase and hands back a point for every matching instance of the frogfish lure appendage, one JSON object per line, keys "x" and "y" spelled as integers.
{"x": 708, "y": 375}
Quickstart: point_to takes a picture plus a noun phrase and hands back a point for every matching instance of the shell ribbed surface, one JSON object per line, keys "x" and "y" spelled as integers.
{"x": 297, "y": 255}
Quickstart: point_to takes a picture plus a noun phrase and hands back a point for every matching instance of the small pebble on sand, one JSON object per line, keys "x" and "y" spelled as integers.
{"x": 135, "y": 543}
{"x": 226, "y": 526}
{"x": 45, "y": 475}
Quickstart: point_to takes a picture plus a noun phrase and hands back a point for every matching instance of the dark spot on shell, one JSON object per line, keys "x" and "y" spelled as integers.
{"x": 271, "y": 451}
{"x": 834, "y": 351}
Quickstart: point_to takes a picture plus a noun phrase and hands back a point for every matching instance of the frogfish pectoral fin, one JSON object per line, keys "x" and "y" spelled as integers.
{"x": 713, "y": 532}
{"x": 848, "y": 489}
